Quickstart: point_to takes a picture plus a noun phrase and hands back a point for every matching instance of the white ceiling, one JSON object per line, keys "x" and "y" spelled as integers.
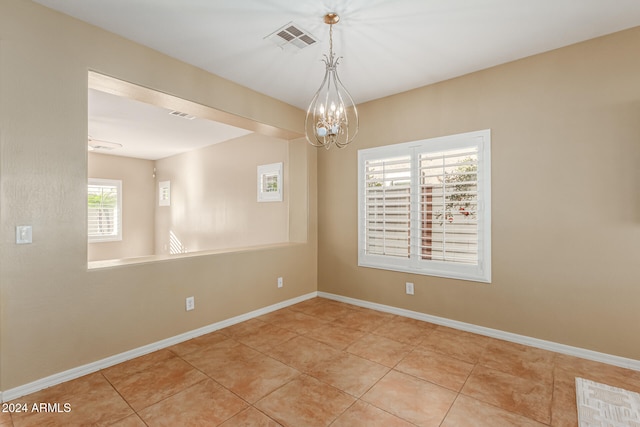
{"x": 388, "y": 46}
{"x": 147, "y": 131}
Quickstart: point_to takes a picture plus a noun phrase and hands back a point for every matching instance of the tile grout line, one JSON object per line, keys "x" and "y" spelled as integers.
{"x": 208, "y": 378}
{"x": 487, "y": 357}
{"x": 344, "y": 351}
{"x": 217, "y": 382}
{"x": 449, "y": 409}
{"x": 252, "y": 405}
{"x": 553, "y": 391}
{"x": 122, "y": 397}
{"x": 390, "y": 369}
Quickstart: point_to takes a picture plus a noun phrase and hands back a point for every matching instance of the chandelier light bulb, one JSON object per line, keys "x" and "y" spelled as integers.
{"x": 332, "y": 117}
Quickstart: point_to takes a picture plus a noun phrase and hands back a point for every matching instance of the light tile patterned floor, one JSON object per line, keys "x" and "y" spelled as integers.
{"x": 326, "y": 363}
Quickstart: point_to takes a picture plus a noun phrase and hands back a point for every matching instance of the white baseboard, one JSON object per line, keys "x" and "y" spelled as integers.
{"x": 80, "y": 371}
{"x": 494, "y": 333}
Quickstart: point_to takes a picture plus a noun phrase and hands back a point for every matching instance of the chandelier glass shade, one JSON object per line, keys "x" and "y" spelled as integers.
{"x": 332, "y": 117}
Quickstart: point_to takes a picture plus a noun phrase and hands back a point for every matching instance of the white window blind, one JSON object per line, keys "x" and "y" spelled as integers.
{"x": 388, "y": 206}
{"x": 424, "y": 207}
{"x": 449, "y": 206}
{"x": 104, "y": 210}
{"x": 164, "y": 193}
{"x": 270, "y": 182}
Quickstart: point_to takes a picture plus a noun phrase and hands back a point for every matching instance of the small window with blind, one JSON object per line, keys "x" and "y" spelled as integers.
{"x": 104, "y": 212}
{"x": 424, "y": 207}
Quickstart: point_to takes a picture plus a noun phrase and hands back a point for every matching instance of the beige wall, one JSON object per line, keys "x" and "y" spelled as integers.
{"x": 54, "y": 313}
{"x": 138, "y": 202}
{"x": 214, "y": 196}
{"x": 213, "y": 199}
{"x": 566, "y": 196}
{"x": 566, "y": 201}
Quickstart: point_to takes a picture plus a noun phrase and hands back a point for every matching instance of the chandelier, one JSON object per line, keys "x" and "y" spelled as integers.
{"x": 332, "y": 117}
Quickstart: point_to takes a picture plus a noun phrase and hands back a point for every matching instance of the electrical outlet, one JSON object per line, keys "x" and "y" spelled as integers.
{"x": 190, "y": 303}
{"x": 409, "y": 288}
{"x": 280, "y": 282}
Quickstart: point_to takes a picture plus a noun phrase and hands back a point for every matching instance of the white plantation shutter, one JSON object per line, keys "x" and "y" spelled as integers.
{"x": 104, "y": 210}
{"x": 424, "y": 207}
{"x": 388, "y": 205}
{"x": 449, "y": 206}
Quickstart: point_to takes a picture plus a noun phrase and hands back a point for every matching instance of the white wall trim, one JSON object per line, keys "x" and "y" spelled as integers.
{"x": 80, "y": 371}
{"x": 493, "y": 333}
{"x": 89, "y": 368}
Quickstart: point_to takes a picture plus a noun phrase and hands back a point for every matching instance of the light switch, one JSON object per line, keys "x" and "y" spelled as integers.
{"x": 23, "y": 234}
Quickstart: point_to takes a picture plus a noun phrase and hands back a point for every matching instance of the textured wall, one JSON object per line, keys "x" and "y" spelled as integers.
{"x": 138, "y": 202}
{"x": 214, "y": 196}
{"x": 566, "y": 196}
{"x": 55, "y": 314}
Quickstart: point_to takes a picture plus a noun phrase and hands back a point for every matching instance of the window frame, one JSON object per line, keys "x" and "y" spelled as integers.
{"x": 164, "y": 193}
{"x": 480, "y": 272}
{"x": 273, "y": 170}
{"x": 111, "y": 183}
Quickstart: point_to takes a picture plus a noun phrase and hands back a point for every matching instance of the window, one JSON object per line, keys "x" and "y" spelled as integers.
{"x": 164, "y": 193}
{"x": 424, "y": 207}
{"x": 104, "y": 213}
{"x": 270, "y": 183}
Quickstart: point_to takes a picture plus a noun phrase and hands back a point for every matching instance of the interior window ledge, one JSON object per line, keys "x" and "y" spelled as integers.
{"x": 110, "y": 263}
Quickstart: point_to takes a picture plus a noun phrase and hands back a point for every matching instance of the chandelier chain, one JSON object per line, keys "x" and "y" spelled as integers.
{"x": 331, "y": 41}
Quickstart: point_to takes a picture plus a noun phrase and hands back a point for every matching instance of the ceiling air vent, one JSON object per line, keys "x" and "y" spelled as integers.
{"x": 97, "y": 144}
{"x": 181, "y": 114}
{"x": 291, "y": 37}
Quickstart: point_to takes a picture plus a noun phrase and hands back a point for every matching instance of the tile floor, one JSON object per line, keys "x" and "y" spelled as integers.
{"x": 326, "y": 363}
